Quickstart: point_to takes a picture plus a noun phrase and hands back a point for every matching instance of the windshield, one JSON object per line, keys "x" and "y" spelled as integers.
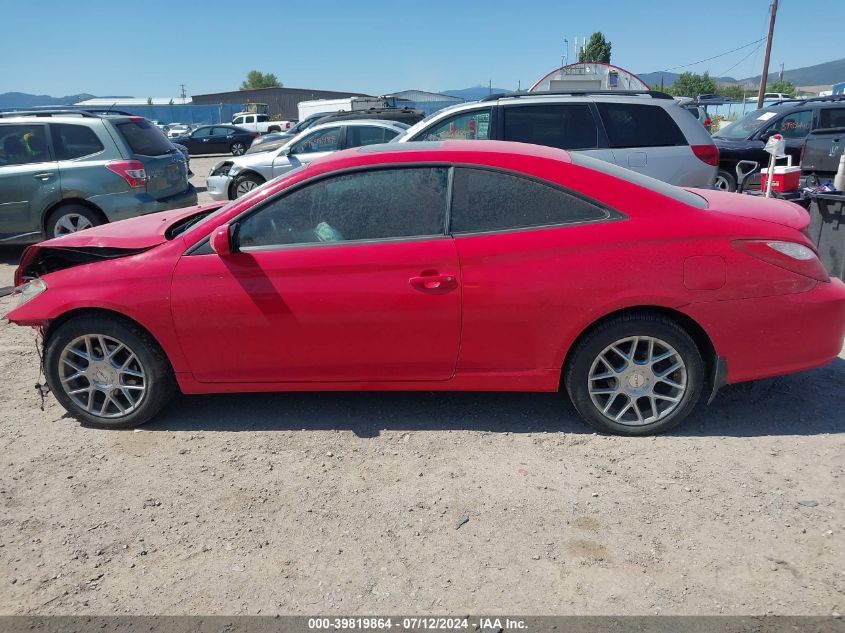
{"x": 747, "y": 125}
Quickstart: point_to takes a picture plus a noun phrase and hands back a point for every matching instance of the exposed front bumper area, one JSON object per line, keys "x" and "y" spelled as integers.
{"x": 772, "y": 336}
{"x": 218, "y": 186}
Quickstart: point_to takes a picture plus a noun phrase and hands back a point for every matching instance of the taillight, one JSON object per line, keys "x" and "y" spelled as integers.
{"x": 707, "y": 122}
{"x": 132, "y": 171}
{"x": 792, "y": 256}
{"x": 706, "y": 153}
{"x": 287, "y": 125}
{"x": 256, "y": 135}
{"x": 27, "y": 258}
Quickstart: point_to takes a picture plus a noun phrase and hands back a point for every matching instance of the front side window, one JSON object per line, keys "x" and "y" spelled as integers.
{"x": 639, "y": 125}
{"x": 368, "y": 205}
{"x": 793, "y": 125}
{"x": 22, "y": 144}
{"x": 238, "y": 121}
{"x": 484, "y": 200}
{"x": 565, "y": 126}
{"x": 74, "y": 141}
{"x": 474, "y": 125}
{"x": 325, "y": 140}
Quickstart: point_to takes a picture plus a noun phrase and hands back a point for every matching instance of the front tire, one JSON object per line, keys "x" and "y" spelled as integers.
{"x": 107, "y": 372}
{"x": 246, "y": 183}
{"x": 637, "y": 374}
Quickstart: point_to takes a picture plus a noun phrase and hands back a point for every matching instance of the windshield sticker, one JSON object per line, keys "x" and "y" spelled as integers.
{"x": 766, "y": 116}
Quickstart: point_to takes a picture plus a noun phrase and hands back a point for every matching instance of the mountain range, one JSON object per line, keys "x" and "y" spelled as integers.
{"x": 824, "y": 74}
{"x": 827, "y": 73}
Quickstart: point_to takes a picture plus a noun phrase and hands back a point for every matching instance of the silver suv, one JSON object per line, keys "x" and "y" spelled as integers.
{"x": 66, "y": 170}
{"x": 646, "y": 131}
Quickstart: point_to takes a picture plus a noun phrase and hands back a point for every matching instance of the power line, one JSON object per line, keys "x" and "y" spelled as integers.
{"x": 701, "y": 61}
{"x": 753, "y": 52}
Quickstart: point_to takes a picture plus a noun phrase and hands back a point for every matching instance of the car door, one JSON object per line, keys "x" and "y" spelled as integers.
{"x": 29, "y": 179}
{"x": 569, "y": 126}
{"x": 222, "y": 139}
{"x": 199, "y": 141}
{"x": 646, "y": 139}
{"x": 347, "y": 279}
{"x": 319, "y": 143}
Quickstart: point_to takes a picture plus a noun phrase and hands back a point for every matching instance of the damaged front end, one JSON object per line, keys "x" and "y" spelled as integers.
{"x": 38, "y": 260}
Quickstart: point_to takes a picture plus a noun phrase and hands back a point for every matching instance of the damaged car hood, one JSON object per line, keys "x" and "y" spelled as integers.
{"x": 138, "y": 233}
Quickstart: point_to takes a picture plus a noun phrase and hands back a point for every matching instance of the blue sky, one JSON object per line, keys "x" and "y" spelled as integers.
{"x": 148, "y": 48}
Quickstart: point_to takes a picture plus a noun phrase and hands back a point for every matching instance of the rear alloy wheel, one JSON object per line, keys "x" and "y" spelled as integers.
{"x": 635, "y": 375}
{"x": 70, "y": 219}
{"x": 107, "y": 372}
{"x": 238, "y": 149}
{"x": 246, "y": 183}
{"x": 725, "y": 181}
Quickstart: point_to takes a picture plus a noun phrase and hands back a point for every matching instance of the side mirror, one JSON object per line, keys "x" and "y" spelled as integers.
{"x": 221, "y": 240}
{"x": 287, "y": 151}
{"x": 765, "y": 136}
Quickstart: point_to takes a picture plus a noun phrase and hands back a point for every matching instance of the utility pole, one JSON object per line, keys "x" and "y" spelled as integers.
{"x": 184, "y": 94}
{"x": 764, "y": 77}
{"x": 781, "y": 72}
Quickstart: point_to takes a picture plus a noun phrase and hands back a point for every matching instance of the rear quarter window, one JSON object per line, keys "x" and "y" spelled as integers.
{"x": 144, "y": 138}
{"x": 74, "y": 141}
{"x": 487, "y": 200}
{"x": 639, "y": 125}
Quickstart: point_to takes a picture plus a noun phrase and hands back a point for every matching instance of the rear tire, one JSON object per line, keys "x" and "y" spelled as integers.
{"x": 246, "y": 183}
{"x": 635, "y": 374}
{"x": 107, "y": 372}
{"x": 70, "y": 218}
{"x": 238, "y": 149}
{"x": 725, "y": 181}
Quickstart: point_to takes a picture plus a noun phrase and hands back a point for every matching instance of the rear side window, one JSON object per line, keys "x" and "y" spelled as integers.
{"x": 569, "y": 126}
{"x": 368, "y": 205}
{"x": 485, "y": 200}
{"x": 832, "y": 117}
{"x": 359, "y": 135}
{"x": 22, "y": 144}
{"x": 74, "y": 141}
{"x": 639, "y": 125}
{"x": 144, "y": 138}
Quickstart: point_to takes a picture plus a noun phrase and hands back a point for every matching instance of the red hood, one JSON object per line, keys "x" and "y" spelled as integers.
{"x": 773, "y": 210}
{"x": 144, "y": 231}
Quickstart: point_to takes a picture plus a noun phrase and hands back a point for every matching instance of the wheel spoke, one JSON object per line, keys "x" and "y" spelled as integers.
{"x": 672, "y": 368}
{"x": 78, "y": 374}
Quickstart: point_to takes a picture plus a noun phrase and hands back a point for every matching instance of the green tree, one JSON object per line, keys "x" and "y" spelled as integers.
{"x": 781, "y": 85}
{"x": 170, "y": 102}
{"x": 149, "y": 101}
{"x": 256, "y": 79}
{"x": 597, "y": 49}
{"x": 732, "y": 91}
{"x": 693, "y": 84}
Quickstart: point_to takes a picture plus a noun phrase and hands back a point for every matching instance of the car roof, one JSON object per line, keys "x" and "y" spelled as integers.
{"x": 449, "y": 150}
{"x": 356, "y": 123}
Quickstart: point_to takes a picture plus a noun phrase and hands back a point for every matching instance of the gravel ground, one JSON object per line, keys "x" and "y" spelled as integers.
{"x": 420, "y": 503}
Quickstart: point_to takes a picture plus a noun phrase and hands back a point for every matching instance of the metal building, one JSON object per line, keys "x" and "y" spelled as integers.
{"x": 281, "y": 102}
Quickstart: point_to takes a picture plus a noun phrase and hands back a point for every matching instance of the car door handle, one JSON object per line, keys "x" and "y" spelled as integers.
{"x": 434, "y": 283}
{"x": 44, "y": 175}
{"x": 205, "y": 140}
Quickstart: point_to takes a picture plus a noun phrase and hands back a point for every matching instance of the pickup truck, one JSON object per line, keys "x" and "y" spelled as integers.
{"x": 821, "y": 152}
{"x": 260, "y": 123}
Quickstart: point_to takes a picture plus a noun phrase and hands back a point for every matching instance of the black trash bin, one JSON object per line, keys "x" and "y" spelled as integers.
{"x": 827, "y": 229}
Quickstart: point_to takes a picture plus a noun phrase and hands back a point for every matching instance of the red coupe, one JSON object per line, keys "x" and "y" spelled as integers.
{"x": 475, "y": 266}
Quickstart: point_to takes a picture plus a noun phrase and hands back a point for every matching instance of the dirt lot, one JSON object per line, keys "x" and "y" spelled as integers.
{"x": 420, "y": 503}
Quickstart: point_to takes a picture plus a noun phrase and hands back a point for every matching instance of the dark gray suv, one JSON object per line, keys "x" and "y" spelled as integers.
{"x": 64, "y": 171}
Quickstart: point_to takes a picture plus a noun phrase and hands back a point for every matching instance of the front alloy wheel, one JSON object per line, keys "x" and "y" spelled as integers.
{"x": 635, "y": 374}
{"x": 107, "y": 371}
